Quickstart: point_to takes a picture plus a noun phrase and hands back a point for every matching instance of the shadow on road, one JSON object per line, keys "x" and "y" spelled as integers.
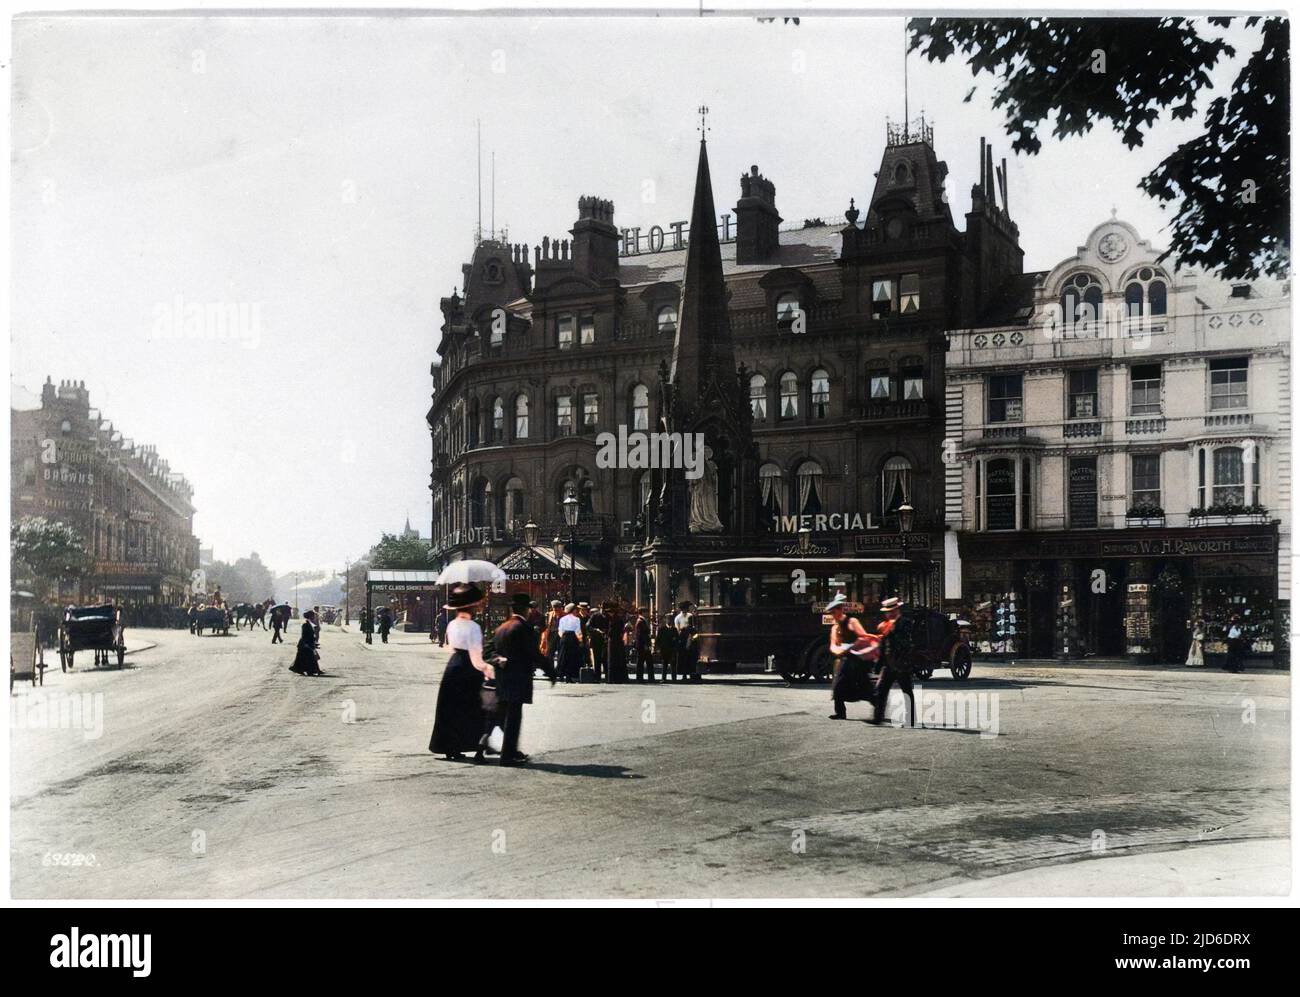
{"x": 590, "y": 771}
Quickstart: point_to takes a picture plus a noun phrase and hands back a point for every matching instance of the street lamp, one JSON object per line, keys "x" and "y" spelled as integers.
{"x": 530, "y": 541}
{"x": 805, "y": 541}
{"x": 347, "y": 586}
{"x": 559, "y": 545}
{"x": 570, "y": 504}
{"x": 905, "y": 516}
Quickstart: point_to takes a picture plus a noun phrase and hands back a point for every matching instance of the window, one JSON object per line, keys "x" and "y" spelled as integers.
{"x": 498, "y": 420}
{"x": 1000, "y": 489}
{"x": 564, "y": 415}
{"x": 880, "y": 386}
{"x": 666, "y": 319}
{"x": 497, "y": 336}
{"x": 1229, "y": 476}
{"x": 473, "y": 423}
{"x": 1228, "y": 383}
{"x": 644, "y": 486}
{"x": 808, "y": 482}
{"x": 564, "y": 331}
{"x": 1083, "y": 493}
{"x": 821, "y": 394}
{"x": 787, "y": 309}
{"x": 882, "y": 298}
{"x": 1005, "y": 398}
{"x": 516, "y": 508}
{"x": 1144, "y": 389}
{"x": 1083, "y": 394}
{"x": 758, "y": 397}
{"x": 1146, "y": 293}
{"x": 913, "y": 384}
{"x": 789, "y": 395}
{"x": 895, "y": 485}
{"x": 1081, "y": 302}
{"x": 590, "y": 411}
{"x": 771, "y": 487}
{"x": 909, "y": 293}
{"x": 640, "y": 407}
{"x": 521, "y": 417}
{"x": 587, "y": 331}
{"x": 1145, "y": 492}
{"x": 480, "y": 501}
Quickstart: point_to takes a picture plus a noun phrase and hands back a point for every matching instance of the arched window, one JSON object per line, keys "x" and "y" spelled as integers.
{"x": 1081, "y": 303}
{"x": 480, "y": 503}
{"x": 666, "y": 320}
{"x": 640, "y": 407}
{"x": 787, "y": 307}
{"x": 1146, "y": 293}
{"x": 516, "y": 507}
{"x": 758, "y": 397}
{"x": 789, "y": 395}
{"x": 521, "y": 417}
{"x": 579, "y": 484}
{"x": 771, "y": 489}
{"x": 895, "y": 485}
{"x": 498, "y": 420}
{"x": 821, "y": 394}
{"x": 473, "y": 423}
{"x": 808, "y": 486}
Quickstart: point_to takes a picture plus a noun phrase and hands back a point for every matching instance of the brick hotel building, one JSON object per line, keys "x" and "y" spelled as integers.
{"x": 841, "y": 328}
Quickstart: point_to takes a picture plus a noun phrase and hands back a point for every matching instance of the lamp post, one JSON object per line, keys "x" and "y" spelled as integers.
{"x": 559, "y": 545}
{"x": 905, "y": 516}
{"x": 530, "y": 541}
{"x": 347, "y": 586}
{"x": 571, "y": 517}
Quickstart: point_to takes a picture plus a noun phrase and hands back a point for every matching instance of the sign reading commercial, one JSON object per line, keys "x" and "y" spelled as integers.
{"x": 823, "y": 522}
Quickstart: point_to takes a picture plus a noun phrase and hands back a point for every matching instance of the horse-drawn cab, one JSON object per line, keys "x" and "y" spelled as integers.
{"x": 92, "y": 628}
{"x": 214, "y": 618}
{"x": 936, "y": 641}
{"x": 753, "y": 610}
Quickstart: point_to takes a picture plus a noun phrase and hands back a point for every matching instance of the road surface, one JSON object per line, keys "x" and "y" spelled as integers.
{"x": 206, "y": 769}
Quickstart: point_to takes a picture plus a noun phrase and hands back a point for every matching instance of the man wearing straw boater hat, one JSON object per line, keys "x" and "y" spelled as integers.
{"x": 896, "y": 664}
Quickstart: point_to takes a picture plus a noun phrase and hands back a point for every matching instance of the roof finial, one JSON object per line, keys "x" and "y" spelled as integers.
{"x": 1113, "y": 212}
{"x": 703, "y": 112}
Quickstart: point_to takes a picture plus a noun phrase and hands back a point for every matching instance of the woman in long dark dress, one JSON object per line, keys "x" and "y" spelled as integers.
{"x": 458, "y": 720}
{"x": 571, "y": 654}
{"x": 307, "y": 660}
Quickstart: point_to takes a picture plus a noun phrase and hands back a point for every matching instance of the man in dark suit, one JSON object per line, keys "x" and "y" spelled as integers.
{"x": 518, "y": 642}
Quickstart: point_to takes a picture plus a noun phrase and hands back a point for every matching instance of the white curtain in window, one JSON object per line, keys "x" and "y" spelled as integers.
{"x": 897, "y": 475}
{"x": 769, "y": 480}
{"x": 808, "y": 497}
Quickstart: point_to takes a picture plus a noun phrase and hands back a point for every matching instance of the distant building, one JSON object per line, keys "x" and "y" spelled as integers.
{"x": 135, "y": 514}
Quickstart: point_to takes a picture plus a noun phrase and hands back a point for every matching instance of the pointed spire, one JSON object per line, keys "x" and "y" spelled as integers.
{"x": 702, "y": 348}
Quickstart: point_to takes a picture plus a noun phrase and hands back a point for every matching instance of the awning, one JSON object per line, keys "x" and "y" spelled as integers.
{"x": 396, "y": 580}
{"x": 546, "y": 564}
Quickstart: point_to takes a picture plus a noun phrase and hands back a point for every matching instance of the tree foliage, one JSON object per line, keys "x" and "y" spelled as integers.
{"x": 247, "y": 580}
{"x": 1231, "y": 183}
{"x": 49, "y": 550}
{"x": 398, "y": 552}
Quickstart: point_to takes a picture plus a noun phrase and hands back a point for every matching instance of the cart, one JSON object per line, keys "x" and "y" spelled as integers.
{"x": 92, "y": 628}
{"x": 26, "y": 658}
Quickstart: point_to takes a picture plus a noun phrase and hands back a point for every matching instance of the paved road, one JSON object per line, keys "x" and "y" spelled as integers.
{"x": 214, "y": 772}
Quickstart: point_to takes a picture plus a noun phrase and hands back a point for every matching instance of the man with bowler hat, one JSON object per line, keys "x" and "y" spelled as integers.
{"x": 518, "y": 642}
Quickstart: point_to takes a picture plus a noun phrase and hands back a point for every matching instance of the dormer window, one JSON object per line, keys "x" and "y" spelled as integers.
{"x": 787, "y": 309}
{"x": 666, "y": 320}
{"x": 902, "y": 174}
{"x": 492, "y": 272}
{"x": 564, "y": 331}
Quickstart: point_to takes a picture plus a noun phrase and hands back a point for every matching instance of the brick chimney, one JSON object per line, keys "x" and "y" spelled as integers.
{"x": 595, "y": 239}
{"x": 757, "y": 220}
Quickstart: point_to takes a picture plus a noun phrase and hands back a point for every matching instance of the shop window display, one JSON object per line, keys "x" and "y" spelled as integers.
{"x": 996, "y": 623}
{"x": 1216, "y": 601}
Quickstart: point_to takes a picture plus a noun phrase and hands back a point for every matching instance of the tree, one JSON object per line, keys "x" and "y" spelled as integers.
{"x": 247, "y": 580}
{"x": 49, "y": 550}
{"x": 1231, "y": 183}
{"x": 394, "y": 551}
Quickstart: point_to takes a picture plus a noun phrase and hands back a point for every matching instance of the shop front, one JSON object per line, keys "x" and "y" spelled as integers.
{"x": 1131, "y": 594}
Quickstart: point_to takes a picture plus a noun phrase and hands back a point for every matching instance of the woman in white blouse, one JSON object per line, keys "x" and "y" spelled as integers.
{"x": 570, "y": 631}
{"x": 458, "y": 720}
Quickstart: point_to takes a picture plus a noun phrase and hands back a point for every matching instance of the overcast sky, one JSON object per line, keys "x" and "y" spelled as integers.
{"x": 319, "y": 173}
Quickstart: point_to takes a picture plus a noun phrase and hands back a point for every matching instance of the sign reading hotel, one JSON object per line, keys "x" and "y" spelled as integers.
{"x": 656, "y": 240}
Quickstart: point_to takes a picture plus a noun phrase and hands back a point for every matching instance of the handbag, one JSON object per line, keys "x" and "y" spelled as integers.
{"x": 488, "y": 696}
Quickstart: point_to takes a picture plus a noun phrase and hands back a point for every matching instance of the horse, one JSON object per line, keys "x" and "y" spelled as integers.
{"x": 243, "y": 613}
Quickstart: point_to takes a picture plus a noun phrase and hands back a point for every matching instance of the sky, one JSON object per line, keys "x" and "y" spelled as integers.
{"x": 312, "y": 180}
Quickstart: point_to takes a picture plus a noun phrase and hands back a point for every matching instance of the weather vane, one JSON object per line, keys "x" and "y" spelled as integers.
{"x": 703, "y": 112}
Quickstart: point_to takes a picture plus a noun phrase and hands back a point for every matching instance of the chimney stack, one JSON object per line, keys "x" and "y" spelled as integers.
{"x": 595, "y": 239}
{"x": 757, "y": 220}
